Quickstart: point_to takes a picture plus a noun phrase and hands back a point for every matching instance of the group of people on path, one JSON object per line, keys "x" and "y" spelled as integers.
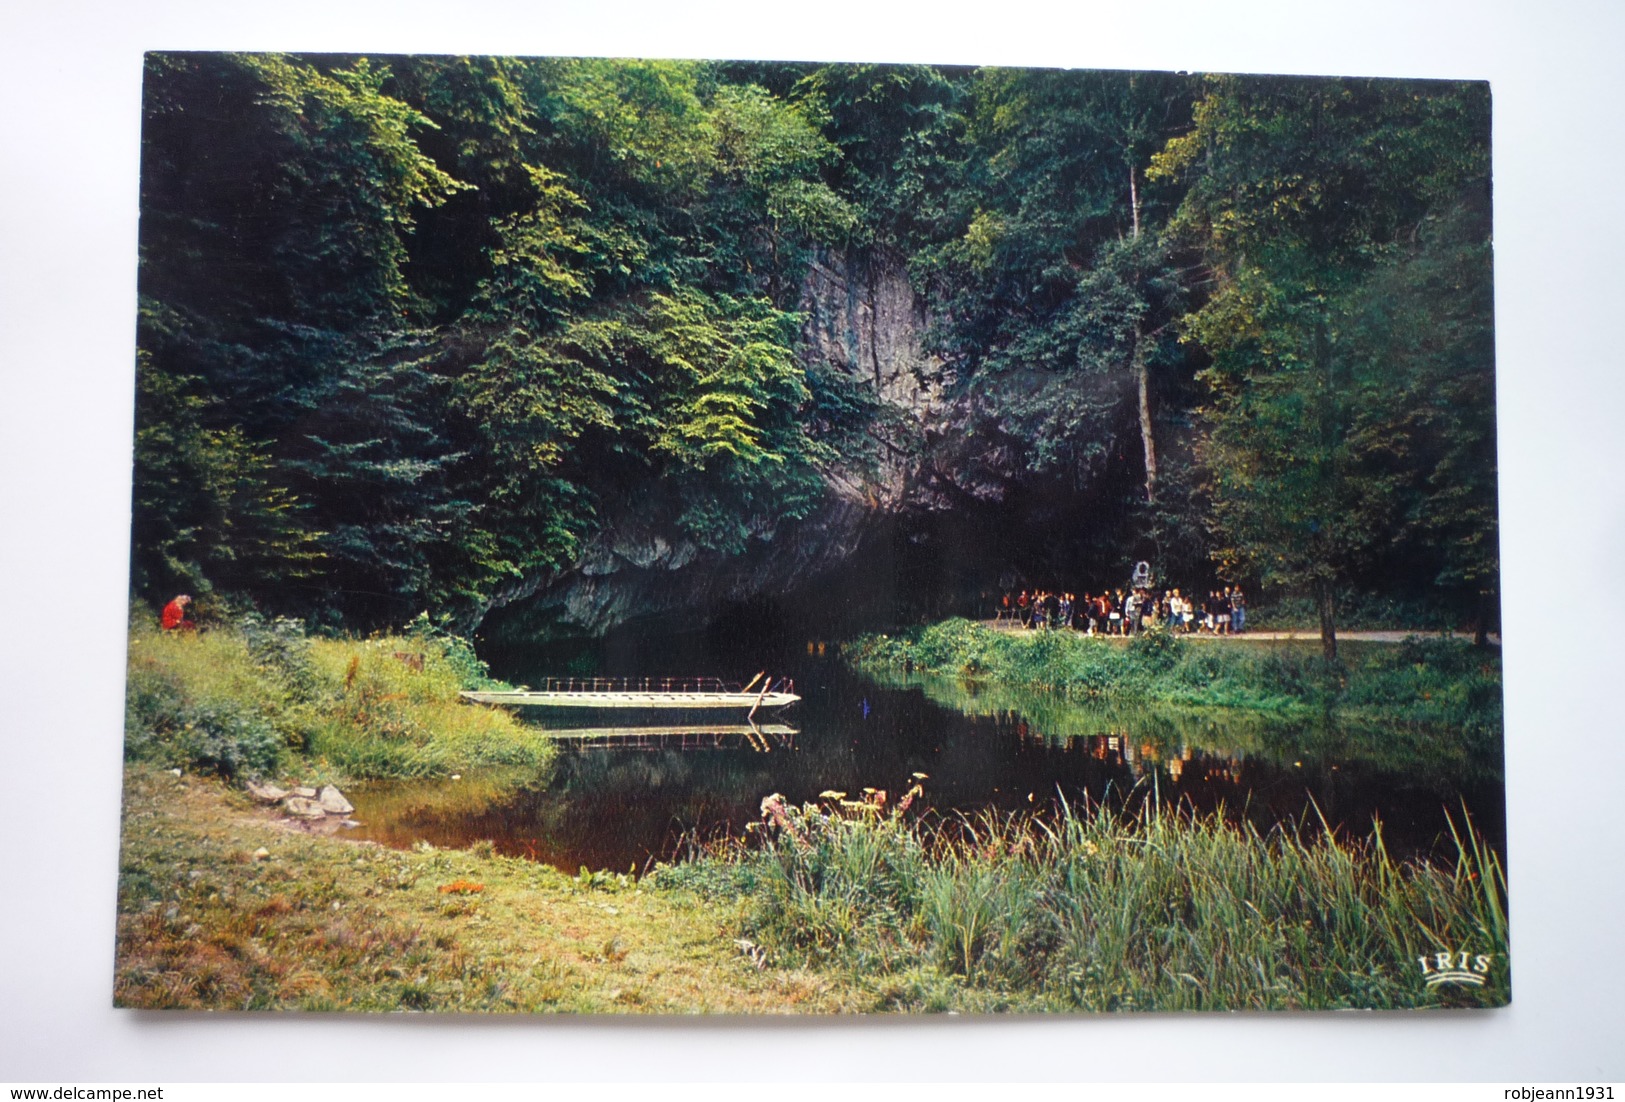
{"x": 1127, "y": 612}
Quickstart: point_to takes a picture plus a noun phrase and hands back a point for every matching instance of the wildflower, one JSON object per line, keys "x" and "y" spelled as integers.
{"x": 773, "y": 809}
{"x": 461, "y": 887}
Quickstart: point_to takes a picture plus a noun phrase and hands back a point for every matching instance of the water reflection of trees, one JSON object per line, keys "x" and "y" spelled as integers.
{"x": 616, "y": 800}
{"x": 1218, "y": 742}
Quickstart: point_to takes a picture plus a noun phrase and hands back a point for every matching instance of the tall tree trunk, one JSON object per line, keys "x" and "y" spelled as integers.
{"x": 1328, "y": 620}
{"x": 1137, "y": 365}
{"x": 1147, "y": 441}
{"x": 1328, "y": 474}
{"x": 1481, "y": 623}
{"x": 1134, "y": 200}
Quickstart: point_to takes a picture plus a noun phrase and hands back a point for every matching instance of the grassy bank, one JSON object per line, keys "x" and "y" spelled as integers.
{"x": 1422, "y": 680}
{"x": 225, "y": 905}
{"x": 258, "y": 698}
{"x": 1168, "y": 911}
{"x": 319, "y": 923}
{"x": 836, "y": 910}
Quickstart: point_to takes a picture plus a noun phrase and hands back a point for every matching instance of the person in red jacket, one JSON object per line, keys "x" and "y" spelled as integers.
{"x": 174, "y": 618}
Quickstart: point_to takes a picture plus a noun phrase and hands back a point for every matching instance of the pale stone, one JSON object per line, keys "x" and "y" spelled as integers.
{"x": 266, "y": 793}
{"x": 262, "y": 854}
{"x": 333, "y": 801}
{"x": 304, "y": 791}
{"x": 302, "y": 807}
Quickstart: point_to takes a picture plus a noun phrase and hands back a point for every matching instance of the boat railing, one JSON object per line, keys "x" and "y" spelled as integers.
{"x": 661, "y": 685}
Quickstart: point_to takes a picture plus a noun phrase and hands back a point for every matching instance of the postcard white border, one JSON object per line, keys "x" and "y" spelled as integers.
{"x": 68, "y": 131}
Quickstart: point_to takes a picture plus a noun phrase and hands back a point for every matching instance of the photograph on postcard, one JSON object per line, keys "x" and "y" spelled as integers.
{"x": 667, "y": 536}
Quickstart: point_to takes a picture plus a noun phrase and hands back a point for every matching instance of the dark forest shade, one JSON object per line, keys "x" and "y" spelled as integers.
{"x": 424, "y": 333}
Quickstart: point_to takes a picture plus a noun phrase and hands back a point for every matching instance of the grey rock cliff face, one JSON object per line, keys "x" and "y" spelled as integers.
{"x": 863, "y": 320}
{"x": 864, "y": 317}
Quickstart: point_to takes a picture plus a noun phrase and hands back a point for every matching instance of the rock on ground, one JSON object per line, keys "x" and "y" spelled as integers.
{"x": 266, "y": 793}
{"x": 333, "y": 802}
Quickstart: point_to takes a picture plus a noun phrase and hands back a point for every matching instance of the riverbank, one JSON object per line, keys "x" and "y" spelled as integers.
{"x": 223, "y": 907}
{"x": 224, "y": 904}
{"x": 830, "y": 909}
{"x": 1274, "y": 635}
{"x": 1092, "y": 910}
{"x": 262, "y": 699}
{"x": 852, "y": 904}
{"x": 1420, "y": 680}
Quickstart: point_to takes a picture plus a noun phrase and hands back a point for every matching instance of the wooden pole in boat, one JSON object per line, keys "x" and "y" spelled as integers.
{"x": 750, "y": 683}
{"x": 768, "y": 684}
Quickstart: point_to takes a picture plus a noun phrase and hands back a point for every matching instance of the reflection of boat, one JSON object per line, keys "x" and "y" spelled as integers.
{"x": 647, "y": 692}
{"x": 700, "y": 736}
{"x": 657, "y": 730}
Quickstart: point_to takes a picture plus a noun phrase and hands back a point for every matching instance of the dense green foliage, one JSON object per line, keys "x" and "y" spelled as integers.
{"x": 409, "y": 330}
{"x": 1350, "y": 325}
{"x": 1423, "y": 681}
{"x": 1163, "y": 911}
{"x": 413, "y": 330}
{"x": 260, "y": 698}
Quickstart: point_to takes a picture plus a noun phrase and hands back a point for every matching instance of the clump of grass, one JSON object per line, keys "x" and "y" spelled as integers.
{"x": 202, "y": 701}
{"x": 385, "y": 715}
{"x": 1095, "y": 910}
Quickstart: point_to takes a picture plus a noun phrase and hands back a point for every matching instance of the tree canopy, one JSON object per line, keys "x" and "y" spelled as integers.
{"x": 413, "y": 330}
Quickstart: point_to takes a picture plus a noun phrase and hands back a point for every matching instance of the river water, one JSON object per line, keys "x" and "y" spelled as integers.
{"x": 620, "y": 802}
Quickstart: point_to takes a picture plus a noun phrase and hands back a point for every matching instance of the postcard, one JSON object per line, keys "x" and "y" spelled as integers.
{"x": 669, "y": 536}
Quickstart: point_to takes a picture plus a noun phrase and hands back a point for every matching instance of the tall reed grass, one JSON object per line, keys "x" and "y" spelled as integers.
{"x": 1089, "y": 909}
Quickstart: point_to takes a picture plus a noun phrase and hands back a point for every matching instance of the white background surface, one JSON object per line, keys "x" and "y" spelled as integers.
{"x": 69, "y": 129}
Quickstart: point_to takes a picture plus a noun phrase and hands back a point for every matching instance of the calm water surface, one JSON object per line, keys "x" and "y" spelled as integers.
{"x": 622, "y": 802}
